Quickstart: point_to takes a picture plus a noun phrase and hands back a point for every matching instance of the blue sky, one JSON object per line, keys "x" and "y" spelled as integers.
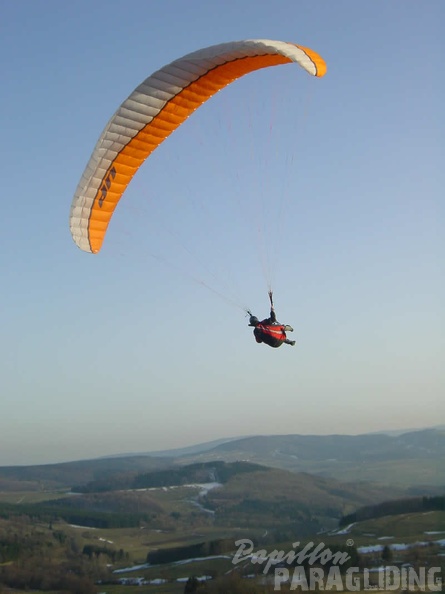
{"x": 332, "y": 189}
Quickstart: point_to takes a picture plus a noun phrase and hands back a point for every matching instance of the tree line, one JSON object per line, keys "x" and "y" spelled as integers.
{"x": 396, "y": 507}
{"x": 87, "y": 518}
{"x": 200, "y": 549}
{"x": 201, "y": 472}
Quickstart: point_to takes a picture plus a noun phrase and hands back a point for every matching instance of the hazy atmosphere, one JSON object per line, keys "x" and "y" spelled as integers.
{"x": 330, "y": 190}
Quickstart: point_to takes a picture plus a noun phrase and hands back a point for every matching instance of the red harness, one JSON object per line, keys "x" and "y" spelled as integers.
{"x": 274, "y": 331}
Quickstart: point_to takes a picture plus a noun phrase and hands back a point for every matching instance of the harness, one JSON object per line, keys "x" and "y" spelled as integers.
{"x": 274, "y": 331}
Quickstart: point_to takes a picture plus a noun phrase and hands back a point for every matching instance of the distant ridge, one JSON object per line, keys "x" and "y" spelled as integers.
{"x": 412, "y": 460}
{"x": 194, "y": 449}
{"x": 209, "y": 445}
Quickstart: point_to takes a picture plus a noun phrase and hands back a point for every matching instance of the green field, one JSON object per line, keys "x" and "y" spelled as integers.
{"x": 409, "y": 527}
{"x": 28, "y": 497}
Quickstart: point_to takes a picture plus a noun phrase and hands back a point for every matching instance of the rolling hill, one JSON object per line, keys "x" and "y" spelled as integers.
{"x": 412, "y": 460}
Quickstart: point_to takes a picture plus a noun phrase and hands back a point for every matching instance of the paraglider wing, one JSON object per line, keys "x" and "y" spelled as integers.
{"x": 153, "y": 111}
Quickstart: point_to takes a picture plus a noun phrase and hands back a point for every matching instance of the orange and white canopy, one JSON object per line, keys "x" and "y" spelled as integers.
{"x": 153, "y": 111}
